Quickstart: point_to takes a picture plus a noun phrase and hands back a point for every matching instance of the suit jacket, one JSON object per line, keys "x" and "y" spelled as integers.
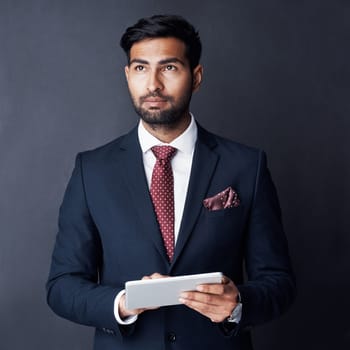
{"x": 108, "y": 234}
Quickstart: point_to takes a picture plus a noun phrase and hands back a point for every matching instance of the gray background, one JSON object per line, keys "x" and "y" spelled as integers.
{"x": 276, "y": 77}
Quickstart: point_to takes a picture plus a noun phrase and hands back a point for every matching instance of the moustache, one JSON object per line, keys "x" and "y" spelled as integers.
{"x": 155, "y": 94}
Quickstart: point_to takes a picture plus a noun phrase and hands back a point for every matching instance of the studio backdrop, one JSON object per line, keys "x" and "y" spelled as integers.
{"x": 276, "y": 77}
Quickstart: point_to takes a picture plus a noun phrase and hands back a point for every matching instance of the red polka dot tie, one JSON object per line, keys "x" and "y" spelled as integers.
{"x": 162, "y": 193}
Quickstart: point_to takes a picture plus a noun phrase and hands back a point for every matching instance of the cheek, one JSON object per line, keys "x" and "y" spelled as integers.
{"x": 181, "y": 88}
{"x": 135, "y": 88}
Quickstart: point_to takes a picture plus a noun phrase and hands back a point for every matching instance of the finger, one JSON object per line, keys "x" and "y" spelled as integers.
{"x": 223, "y": 303}
{"x": 154, "y": 275}
{"x": 218, "y": 289}
{"x": 214, "y": 312}
{"x": 225, "y": 280}
{"x": 204, "y": 298}
{"x": 157, "y": 275}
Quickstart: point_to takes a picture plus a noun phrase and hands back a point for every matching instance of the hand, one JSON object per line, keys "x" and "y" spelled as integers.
{"x": 215, "y": 301}
{"x": 124, "y": 312}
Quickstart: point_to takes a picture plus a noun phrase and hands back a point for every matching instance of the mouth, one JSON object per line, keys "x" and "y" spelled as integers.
{"x": 154, "y": 100}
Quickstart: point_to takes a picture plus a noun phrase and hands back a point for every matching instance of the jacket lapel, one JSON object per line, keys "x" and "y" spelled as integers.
{"x": 132, "y": 169}
{"x": 135, "y": 179}
{"x": 203, "y": 166}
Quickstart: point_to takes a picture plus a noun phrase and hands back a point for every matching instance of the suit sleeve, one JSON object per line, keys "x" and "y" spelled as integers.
{"x": 73, "y": 288}
{"x": 270, "y": 286}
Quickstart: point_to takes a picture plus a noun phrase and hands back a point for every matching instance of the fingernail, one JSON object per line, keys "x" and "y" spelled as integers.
{"x": 200, "y": 288}
{"x": 182, "y": 301}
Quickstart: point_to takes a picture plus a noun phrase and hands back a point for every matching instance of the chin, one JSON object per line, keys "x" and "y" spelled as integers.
{"x": 160, "y": 117}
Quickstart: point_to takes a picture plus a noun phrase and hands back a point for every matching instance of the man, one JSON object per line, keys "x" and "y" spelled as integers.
{"x": 169, "y": 198}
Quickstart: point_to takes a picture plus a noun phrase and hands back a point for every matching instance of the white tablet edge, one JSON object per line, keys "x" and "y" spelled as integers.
{"x": 164, "y": 291}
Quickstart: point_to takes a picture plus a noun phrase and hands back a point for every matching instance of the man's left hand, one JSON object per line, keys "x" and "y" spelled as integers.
{"x": 215, "y": 301}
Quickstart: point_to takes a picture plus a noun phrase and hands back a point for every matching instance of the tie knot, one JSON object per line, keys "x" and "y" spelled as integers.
{"x": 164, "y": 153}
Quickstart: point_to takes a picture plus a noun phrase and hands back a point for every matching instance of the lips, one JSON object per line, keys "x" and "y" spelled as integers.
{"x": 154, "y": 100}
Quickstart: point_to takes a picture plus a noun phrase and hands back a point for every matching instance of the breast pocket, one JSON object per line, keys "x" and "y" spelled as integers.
{"x": 223, "y": 213}
{"x": 222, "y": 234}
{"x": 224, "y": 222}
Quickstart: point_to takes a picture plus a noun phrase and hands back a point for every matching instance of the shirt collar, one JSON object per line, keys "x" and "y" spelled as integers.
{"x": 184, "y": 143}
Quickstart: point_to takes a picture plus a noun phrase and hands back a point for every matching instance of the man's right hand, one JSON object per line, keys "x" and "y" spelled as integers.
{"x": 124, "y": 312}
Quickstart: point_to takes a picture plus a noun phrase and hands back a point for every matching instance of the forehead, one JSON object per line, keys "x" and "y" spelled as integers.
{"x": 154, "y": 50}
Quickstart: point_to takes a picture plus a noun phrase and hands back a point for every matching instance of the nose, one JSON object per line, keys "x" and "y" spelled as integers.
{"x": 154, "y": 82}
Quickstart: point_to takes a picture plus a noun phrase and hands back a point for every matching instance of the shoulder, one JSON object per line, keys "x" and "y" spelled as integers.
{"x": 111, "y": 149}
{"x": 229, "y": 149}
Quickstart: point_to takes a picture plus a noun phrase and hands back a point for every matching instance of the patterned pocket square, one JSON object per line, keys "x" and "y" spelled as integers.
{"x": 228, "y": 198}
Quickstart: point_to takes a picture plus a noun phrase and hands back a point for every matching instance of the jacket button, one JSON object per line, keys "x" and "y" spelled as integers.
{"x": 172, "y": 337}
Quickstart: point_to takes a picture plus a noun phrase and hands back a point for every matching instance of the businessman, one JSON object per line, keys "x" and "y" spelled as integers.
{"x": 169, "y": 198}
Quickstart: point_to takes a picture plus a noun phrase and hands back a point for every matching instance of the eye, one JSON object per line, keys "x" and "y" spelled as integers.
{"x": 170, "y": 67}
{"x": 139, "y": 68}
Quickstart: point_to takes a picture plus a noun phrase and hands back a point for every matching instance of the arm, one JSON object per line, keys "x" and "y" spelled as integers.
{"x": 270, "y": 287}
{"x": 73, "y": 288}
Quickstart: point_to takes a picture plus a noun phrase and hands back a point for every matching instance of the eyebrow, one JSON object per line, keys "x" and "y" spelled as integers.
{"x": 165, "y": 61}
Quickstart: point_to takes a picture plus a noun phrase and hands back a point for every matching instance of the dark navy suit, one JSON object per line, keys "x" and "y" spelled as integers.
{"x": 108, "y": 234}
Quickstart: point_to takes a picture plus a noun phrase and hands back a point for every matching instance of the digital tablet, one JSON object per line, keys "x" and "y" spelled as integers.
{"x": 164, "y": 291}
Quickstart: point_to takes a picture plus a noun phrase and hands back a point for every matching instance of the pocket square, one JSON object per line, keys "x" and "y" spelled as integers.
{"x": 228, "y": 198}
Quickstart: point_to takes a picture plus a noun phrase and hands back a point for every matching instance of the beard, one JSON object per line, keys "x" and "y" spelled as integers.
{"x": 170, "y": 116}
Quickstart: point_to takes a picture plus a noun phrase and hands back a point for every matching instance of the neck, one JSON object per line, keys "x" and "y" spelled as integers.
{"x": 168, "y": 133}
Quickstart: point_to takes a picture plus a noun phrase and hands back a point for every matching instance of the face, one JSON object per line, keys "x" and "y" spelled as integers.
{"x": 160, "y": 80}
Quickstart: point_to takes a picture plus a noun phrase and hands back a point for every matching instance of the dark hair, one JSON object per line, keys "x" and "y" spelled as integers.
{"x": 164, "y": 26}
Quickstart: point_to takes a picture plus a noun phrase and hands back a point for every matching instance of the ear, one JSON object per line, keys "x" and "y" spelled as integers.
{"x": 197, "y": 77}
{"x": 126, "y": 70}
